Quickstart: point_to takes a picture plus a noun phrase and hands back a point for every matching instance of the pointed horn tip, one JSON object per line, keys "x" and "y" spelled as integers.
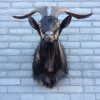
{"x": 15, "y": 17}
{"x": 84, "y": 16}
{"x": 20, "y": 17}
{"x": 90, "y": 14}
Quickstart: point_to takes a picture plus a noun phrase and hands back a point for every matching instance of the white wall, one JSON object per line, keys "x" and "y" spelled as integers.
{"x": 18, "y": 42}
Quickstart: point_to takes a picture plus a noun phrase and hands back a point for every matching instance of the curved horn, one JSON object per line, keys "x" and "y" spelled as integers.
{"x": 56, "y": 11}
{"x": 42, "y": 11}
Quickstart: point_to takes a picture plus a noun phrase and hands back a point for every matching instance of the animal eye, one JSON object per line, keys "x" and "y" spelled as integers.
{"x": 55, "y": 31}
{"x": 39, "y": 24}
{"x": 46, "y": 34}
{"x": 43, "y": 32}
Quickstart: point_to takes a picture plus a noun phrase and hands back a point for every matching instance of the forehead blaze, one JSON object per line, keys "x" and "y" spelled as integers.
{"x": 49, "y": 23}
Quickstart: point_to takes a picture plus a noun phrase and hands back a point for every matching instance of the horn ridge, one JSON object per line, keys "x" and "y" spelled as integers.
{"x": 57, "y": 10}
{"x": 41, "y": 10}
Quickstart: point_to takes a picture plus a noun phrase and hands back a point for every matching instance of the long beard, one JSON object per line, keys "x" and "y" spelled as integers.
{"x": 49, "y": 51}
{"x": 50, "y": 55}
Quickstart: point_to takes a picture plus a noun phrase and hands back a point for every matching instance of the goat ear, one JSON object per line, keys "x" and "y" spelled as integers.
{"x": 33, "y": 23}
{"x": 65, "y": 22}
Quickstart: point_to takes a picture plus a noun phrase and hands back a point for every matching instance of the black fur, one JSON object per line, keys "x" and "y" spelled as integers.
{"x": 49, "y": 63}
{"x": 49, "y": 23}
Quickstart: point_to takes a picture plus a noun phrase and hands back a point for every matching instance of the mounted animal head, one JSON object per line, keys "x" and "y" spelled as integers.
{"x": 49, "y": 27}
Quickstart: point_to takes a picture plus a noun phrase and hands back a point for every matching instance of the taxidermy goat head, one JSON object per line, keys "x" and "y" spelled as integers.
{"x": 49, "y": 63}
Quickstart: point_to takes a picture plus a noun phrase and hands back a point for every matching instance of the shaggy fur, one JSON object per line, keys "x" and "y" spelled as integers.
{"x": 49, "y": 63}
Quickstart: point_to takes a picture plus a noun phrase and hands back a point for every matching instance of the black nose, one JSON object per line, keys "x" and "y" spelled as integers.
{"x": 49, "y": 34}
